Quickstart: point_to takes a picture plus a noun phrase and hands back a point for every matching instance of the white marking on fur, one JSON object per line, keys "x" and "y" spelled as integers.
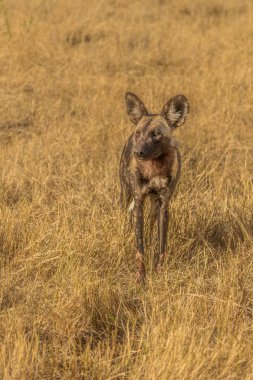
{"x": 158, "y": 183}
{"x": 131, "y": 207}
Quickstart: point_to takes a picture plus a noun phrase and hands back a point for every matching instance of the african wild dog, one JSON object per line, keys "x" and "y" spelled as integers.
{"x": 151, "y": 165}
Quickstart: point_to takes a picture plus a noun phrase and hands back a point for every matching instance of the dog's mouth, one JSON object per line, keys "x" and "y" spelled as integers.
{"x": 142, "y": 158}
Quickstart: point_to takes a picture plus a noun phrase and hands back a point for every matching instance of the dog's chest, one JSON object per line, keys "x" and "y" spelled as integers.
{"x": 155, "y": 175}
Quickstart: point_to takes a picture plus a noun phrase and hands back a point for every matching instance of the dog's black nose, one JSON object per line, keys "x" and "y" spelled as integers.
{"x": 139, "y": 153}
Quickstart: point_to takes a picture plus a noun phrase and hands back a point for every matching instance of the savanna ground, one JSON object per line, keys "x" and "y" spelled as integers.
{"x": 70, "y": 307}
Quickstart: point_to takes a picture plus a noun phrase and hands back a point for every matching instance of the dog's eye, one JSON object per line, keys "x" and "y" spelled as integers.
{"x": 156, "y": 133}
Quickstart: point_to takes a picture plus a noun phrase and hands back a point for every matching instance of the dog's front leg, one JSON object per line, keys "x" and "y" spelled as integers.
{"x": 138, "y": 213}
{"x": 163, "y": 222}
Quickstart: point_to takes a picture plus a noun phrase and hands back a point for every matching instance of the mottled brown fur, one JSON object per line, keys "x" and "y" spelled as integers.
{"x": 151, "y": 165}
{"x": 160, "y": 166}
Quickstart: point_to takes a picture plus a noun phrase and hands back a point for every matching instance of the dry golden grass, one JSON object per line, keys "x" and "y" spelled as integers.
{"x": 70, "y": 308}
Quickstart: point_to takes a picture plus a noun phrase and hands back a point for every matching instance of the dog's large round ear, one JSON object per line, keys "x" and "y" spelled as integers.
{"x": 176, "y": 110}
{"x": 135, "y": 108}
